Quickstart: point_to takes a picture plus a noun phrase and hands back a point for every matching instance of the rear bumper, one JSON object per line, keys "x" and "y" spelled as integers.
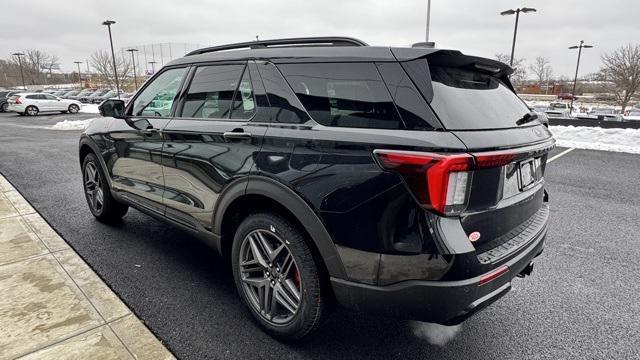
{"x": 443, "y": 302}
{"x": 16, "y": 107}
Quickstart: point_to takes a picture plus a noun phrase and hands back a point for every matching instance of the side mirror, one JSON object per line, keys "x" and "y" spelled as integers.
{"x": 112, "y": 108}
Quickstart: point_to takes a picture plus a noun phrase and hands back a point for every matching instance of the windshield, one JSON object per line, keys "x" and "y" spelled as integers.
{"x": 468, "y": 99}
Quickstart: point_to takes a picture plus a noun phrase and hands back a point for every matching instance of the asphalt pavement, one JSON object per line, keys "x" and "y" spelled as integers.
{"x": 580, "y": 302}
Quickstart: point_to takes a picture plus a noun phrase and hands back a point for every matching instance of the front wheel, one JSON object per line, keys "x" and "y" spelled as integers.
{"x": 96, "y": 189}
{"x": 277, "y": 276}
{"x": 73, "y": 108}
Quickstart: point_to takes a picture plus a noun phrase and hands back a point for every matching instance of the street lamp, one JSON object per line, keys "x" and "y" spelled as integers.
{"x": 108, "y": 23}
{"x": 79, "y": 77}
{"x": 575, "y": 79}
{"x": 515, "y": 30}
{"x": 20, "y": 55}
{"x": 428, "y": 19}
{"x": 153, "y": 67}
{"x": 133, "y": 59}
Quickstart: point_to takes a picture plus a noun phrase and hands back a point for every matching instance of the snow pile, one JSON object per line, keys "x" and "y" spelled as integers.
{"x": 596, "y": 138}
{"x": 89, "y": 108}
{"x": 72, "y": 125}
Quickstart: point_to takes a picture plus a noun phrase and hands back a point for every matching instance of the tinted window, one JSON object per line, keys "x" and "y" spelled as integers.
{"x": 35, "y": 97}
{"x": 243, "y": 102}
{"x": 157, "y": 98}
{"x": 284, "y": 106}
{"x": 468, "y": 99}
{"x": 414, "y": 111}
{"x": 343, "y": 94}
{"x": 50, "y": 97}
{"x": 211, "y": 91}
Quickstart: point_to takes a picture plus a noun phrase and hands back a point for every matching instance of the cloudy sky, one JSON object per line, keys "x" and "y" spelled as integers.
{"x": 71, "y": 29}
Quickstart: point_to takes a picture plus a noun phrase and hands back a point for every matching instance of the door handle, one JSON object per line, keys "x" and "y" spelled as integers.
{"x": 236, "y": 135}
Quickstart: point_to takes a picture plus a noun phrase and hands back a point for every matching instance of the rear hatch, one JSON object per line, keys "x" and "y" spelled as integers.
{"x": 474, "y": 100}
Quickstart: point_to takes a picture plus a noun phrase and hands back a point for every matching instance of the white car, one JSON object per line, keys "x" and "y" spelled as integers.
{"x": 633, "y": 115}
{"x": 33, "y": 103}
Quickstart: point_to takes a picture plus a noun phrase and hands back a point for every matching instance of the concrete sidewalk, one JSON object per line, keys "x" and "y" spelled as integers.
{"x": 52, "y": 305}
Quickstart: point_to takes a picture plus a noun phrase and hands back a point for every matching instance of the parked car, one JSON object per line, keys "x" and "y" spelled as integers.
{"x": 34, "y": 103}
{"x": 566, "y": 96}
{"x": 607, "y": 114}
{"x": 126, "y": 97}
{"x": 82, "y": 94}
{"x": 89, "y": 98}
{"x": 634, "y": 115}
{"x": 69, "y": 94}
{"x": 558, "y": 110}
{"x": 328, "y": 170}
{"x": 108, "y": 95}
{"x": 4, "y": 98}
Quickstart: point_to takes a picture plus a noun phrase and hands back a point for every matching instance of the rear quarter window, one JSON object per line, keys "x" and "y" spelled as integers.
{"x": 343, "y": 94}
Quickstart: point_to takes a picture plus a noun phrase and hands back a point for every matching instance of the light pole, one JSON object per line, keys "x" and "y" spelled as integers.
{"x": 428, "y": 19}
{"x": 133, "y": 59}
{"x": 79, "y": 77}
{"x": 153, "y": 67}
{"x": 20, "y": 55}
{"x": 515, "y": 29}
{"x": 575, "y": 79}
{"x": 108, "y": 23}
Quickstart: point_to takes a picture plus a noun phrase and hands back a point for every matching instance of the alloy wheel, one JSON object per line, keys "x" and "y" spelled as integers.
{"x": 32, "y": 111}
{"x": 73, "y": 108}
{"x": 93, "y": 187}
{"x": 270, "y": 277}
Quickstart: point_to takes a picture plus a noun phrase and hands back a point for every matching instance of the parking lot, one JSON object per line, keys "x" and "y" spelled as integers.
{"x": 581, "y": 301}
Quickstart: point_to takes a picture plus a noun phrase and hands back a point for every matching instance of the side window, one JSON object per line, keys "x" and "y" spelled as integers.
{"x": 413, "y": 109}
{"x": 50, "y": 97}
{"x": 211, "y": 92}
{"x": 343, "y": 94}
{"x": 243, "y": 102}
{"x": 157, "y": 98}
{"x": 285, "y": 107}
{"x": 34, "y": 97}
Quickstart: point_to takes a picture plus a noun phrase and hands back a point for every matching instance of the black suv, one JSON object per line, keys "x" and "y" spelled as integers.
{"x": 406, "y": 182}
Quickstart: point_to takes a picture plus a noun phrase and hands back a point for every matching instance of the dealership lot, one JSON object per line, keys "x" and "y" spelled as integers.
{"x": 579, "y": 303}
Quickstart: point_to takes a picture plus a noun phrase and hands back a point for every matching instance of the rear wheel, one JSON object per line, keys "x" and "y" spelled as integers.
{"x": 73, "y": 108}
{"x": 5, "y": 107}
{"x": 31, "y": 110}
{"x": 96, "y": 189}
{"x": 277, "y": 276}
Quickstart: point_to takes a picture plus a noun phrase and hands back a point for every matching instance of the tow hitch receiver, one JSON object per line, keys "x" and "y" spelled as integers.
{"x": 526, "y": 271}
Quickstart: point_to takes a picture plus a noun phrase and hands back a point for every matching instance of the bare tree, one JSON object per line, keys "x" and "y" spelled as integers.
{"x": 541, "y": 69}
{"x": 103, "y": 63}
{"x": 622, "y": 68}
{"x": 520, "y": 71}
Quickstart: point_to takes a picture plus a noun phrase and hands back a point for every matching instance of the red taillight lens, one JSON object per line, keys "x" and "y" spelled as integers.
{"x": 439, "y": 181}
{"x": 18, "y": 100}
{"x": 493, "y": 275}
{"x": 493, "y": 159}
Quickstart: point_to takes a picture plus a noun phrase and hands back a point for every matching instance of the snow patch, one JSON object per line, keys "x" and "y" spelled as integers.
{"x": 89, "y": 109}
{"x": 72, "y": 124}
{"x": 596, "y": 138}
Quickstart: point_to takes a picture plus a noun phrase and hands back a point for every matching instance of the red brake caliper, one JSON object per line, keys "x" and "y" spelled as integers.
{"x": 296, "y": 277}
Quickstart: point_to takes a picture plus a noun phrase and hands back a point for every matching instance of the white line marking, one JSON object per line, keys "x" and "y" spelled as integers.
{"x": 561, "y": 154}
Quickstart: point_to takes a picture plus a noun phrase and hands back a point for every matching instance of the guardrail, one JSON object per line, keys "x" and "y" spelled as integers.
{"x": 595, "y": 123}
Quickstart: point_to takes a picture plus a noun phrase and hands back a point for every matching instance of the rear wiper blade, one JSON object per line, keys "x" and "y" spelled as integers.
{"x": 528, "y": 117}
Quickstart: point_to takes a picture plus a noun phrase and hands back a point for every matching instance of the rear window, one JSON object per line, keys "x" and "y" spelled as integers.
{"x": 343, "y": 94}
{"x": 468, "y": 100}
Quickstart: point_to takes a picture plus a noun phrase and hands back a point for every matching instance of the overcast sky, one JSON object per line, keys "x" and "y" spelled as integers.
{"x": 71, "y": 29}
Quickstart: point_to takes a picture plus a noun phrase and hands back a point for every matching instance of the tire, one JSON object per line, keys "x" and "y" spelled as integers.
{"x": 31, "y": 110}
{"x": 302, "y": 276}
{"x": 73, "y": 108}
{"x": 5, "y": 107}
{"x": 97, "y": 193}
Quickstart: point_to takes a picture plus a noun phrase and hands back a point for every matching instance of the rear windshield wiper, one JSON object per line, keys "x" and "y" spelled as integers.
{"x": 528, "y": 117}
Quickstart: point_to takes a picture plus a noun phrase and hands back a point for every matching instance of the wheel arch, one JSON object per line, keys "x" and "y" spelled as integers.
{"x": 87, "y": 146}
{"x": 259, "y": 193}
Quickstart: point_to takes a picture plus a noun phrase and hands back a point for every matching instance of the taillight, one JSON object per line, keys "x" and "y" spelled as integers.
{"x": 440, "y": 182}
{"x": 489, "y": 277}
{"x": 18, "y": 100}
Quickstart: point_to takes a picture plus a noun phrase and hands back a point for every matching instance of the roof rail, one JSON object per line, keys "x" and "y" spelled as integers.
{"x": 291, "y": 42}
